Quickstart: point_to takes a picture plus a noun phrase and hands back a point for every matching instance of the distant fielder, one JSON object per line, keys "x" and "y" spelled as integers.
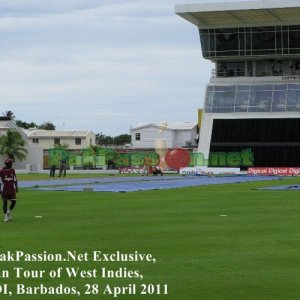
{"x": 8, "y": 188}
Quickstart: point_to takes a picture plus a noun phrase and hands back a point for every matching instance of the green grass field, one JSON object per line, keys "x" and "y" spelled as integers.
{"x": 251, "y": 253}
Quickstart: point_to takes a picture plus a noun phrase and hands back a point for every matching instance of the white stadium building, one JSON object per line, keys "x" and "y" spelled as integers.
{"x": 253, "y": 97}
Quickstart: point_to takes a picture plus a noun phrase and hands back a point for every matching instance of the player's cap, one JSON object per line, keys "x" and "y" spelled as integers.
{"x": 8, "y": 161}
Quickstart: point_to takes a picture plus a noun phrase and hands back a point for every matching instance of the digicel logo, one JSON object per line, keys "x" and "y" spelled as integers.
{"x": 274, "y": 171}
{"x": 8, "y": 179}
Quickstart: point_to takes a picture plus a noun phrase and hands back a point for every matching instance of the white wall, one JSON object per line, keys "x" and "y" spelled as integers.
{"x": 205, "y": 134}
{"x": 152, "y": 138}
{"x": 47, "y": 143}
{"x": 33, "y": 161}
{"x": 184, "y": 136}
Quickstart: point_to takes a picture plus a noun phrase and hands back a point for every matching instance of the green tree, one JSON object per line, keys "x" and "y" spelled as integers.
{"x": 12, "y": 144}
{"x": 26, "y": 125}
{"x": 105, "y": 140}
{"x": 47, "y": 126}
{"x": 122, "y": 139}
{"x": 9, "y": 114}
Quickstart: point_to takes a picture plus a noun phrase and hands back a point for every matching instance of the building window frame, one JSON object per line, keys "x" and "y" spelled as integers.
{"x": 78, "y": 141}
{"x": 137, "y": 136}
{"x": 35, "y": 140}
{"x": 56, "y": 141}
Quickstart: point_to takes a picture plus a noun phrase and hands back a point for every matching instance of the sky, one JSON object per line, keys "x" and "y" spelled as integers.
{"x": 100, "y": 65}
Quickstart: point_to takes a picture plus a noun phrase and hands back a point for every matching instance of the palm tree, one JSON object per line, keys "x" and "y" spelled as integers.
{"x": 9, "y": 114}
{"x": 93, "y": 152}
{"x": 12, "y": 144}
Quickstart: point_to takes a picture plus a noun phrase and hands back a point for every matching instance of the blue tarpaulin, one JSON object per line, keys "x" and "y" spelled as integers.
{"x": 131, "y": 184}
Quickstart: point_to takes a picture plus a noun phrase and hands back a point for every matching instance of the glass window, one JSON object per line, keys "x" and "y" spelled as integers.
{"x": 263, "y": 29}
{"x": 137, "y": 136}
{"x": 227, "y": 30}
{"x": 209, "y": 101}
{"x": 255, "y": 98}
{"x": 242, "y": 41}
{"x": 57, "y": 141}
{"x": 226, "y": 88}
{"x": 293, "y": 100}
{"x": 263, "y": 87}
{"x": 203, "y": 31}
{"x": 297, "y": 107}
{"x": 294, "y": 41}
{"x": 280, "y": 87}
{"x": 204, "y": 43}
{"x": 294, "y": 27}
{"x": 249, "y": 68}
{"x": 263, "y": 40}
{"x": 260, "y": 100}
{"x": 227, "y": 41}
{"x": 243, "y": 87}
{"x": 250, "y": 41}
{"x": 212, "y": 44}
{"x": 242, "y": 101}
{"x": 279, "y": 101}
{"x": 35, "y": 141}
{"x": 223, "y": 101}
{"x": 231, "y": 69}
{"x": 278, "y": 42}
{"x": 285, "y": 41}
{"x": 294, "y": 86}
{"x": 78, "y": 141}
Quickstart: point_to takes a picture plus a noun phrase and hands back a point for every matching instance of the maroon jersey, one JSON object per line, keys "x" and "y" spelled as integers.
{"x": 8, "y": 177}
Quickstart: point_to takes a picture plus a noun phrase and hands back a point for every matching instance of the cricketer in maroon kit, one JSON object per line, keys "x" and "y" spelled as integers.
{"x": 9, "y": 188}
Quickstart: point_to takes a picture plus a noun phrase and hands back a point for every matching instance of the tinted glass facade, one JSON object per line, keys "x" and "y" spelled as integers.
{"x": 267, "y": 139}
{"x": 253, "y": 98}
{"x": 250, "y": 41}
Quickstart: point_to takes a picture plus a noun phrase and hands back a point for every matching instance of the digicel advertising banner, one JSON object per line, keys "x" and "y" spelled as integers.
{"x": 274, "y": 171}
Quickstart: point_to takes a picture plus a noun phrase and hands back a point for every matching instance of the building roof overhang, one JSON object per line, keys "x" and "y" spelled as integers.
{"x": 36, "y": 133}
{"x": 167, "y": 126}
{"x": 239, "y": 14}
